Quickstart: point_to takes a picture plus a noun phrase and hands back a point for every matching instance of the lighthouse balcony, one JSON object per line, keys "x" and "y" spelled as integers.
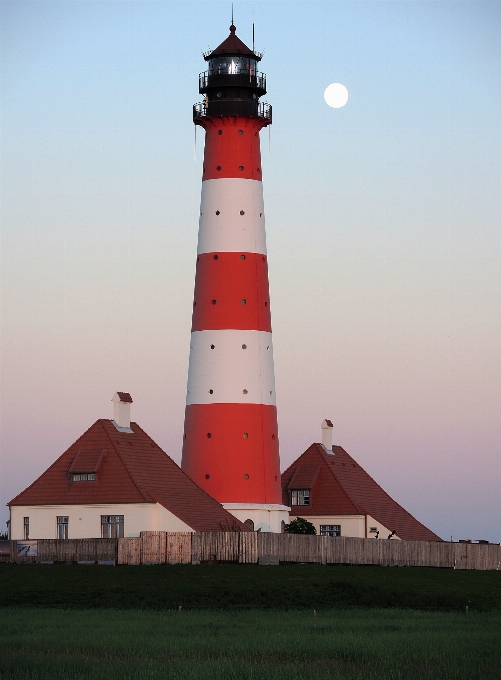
{"x": 225, "y": 78}
{"x": 233, "y": 107}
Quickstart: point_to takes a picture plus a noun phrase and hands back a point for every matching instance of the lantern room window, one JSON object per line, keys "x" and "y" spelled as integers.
{"x": 232, "y": 65}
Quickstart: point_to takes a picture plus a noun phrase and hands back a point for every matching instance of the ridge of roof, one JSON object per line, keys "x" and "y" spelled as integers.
{"x": 141, "y": 491}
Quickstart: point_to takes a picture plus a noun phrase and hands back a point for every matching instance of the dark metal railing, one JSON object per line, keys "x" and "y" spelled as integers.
{"x": 233, "y": 107}
{"x": 219, "y": 77}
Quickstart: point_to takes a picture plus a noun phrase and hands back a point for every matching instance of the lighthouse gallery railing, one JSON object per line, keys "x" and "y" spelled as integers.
{"x": 245, "y": 108}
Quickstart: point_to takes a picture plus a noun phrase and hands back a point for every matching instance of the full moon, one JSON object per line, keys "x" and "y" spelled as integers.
{"x": 336, "y": 95}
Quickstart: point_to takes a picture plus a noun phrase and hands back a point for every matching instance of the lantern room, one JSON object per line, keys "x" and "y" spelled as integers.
{"x": 232, "y": 84}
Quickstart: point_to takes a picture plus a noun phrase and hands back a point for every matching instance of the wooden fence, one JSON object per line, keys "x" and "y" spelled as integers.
{"x": 160, "y": 547}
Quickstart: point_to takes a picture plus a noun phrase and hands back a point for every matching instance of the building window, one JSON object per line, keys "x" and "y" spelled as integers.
{"x": 26, "y": 528}
{"x": 62, "y": 527}
{"x": 84, "y": 477}
{"x": 112, "y": 526}
{"x": 300, "y": 497}
{"x": 250, "y": 524}
{"x": 373, "y": 530}
{"x": 330, "y": 530}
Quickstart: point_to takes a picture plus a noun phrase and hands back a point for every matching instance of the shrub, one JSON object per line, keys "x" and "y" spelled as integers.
{"x": 300, "y": 526}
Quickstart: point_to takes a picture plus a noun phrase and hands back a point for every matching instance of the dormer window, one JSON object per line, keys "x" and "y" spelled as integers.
{"x": 300, "y": 497}
{"x": 84, "y": 477}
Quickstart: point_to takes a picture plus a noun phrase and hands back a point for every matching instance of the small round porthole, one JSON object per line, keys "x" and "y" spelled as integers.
{"x": 212, "y": 392}
{"x": 254, "y": 96}
{"x": 240, "y": 132}
{"x": 218, "y": 167}
{"x": 273, "y": 436}
{"x": 220, "y": 132}
{"x": 268, "y": 347}
{"x": 244, "y": 302}
{"x": 216, "y": 257}
{"x": 214, "y": 302}
{"x": 212, "y": 346}
{"x": 246, "y": 476}
{"x": 246, "y": 435}
{"x": 244, "y": 392}
{"x": 240, "y": 167}
{"x": 242, "y": 212}
{"x": 266, "y": 304}
{"x": 260, "y": 214}
{"x": 244, "y": 346}
{"x": 209, "y": 435}
{"x": 259, "y": 170}
{"x": 242, "y": 257}
{"x": 218, "y": 94}
{"x": 207, "y": 476}
{"x": 217, "y": 212}
{"x": 185, "y": 436}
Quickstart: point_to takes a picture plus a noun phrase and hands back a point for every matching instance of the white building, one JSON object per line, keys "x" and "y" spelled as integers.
{"x": 114, "y": 481}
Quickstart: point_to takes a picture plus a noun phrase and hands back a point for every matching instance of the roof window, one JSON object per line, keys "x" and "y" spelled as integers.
{"x": 300, "y": 497}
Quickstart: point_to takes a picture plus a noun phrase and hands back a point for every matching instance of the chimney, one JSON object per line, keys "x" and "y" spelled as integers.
{"x": 122, "y": 402}
{"x": 327, "y": 435}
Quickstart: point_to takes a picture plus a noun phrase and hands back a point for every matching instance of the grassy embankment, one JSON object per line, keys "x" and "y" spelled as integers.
{"x": 45, "y": 644}
{"x": 247, "y": 586}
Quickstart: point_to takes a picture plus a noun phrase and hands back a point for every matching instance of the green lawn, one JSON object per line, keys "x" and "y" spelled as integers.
{"x": 241, "y": 587}
{"x": 384, "y": 644}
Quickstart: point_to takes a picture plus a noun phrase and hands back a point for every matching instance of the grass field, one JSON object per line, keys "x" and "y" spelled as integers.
{"x": 242, "y": 587}
{"x": 43, "y": 644}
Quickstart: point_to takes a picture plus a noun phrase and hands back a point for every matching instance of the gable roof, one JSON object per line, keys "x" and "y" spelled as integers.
{"x": 131, "y": 468}
{"x": 343, "y": 487}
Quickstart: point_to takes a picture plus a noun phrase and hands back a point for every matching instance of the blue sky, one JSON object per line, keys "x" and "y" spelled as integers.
{"x": 383, "y": 225}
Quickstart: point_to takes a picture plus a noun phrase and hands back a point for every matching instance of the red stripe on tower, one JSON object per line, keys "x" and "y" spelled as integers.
{"x": 230, "y": 445}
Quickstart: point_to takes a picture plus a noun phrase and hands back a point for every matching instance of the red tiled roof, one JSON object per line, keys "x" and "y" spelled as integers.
{"x": 133, "y": 469}
{"x": 342, "y": 487}
{"x": 303, "y": 477}
{"x": 87, "y": 461}
{"x": 232, "y": 46}
{"x": 125, "y": 397}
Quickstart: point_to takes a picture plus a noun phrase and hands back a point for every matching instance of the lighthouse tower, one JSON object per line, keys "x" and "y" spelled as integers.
{"x": 230, "y": 445}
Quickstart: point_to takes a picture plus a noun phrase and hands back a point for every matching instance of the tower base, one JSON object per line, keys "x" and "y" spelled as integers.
{"x": 264, "y": 516}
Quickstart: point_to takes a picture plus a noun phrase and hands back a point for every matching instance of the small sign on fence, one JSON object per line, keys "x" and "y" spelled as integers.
{"x": 27, "y": 548}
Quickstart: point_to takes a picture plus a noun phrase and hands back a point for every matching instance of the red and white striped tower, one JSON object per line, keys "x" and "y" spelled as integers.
{"x": 230, "y": 445}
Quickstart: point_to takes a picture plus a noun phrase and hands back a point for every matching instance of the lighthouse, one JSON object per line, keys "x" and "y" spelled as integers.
{"x": 230, "y": 445}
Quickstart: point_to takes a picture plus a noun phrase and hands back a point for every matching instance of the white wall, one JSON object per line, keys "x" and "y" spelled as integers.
{"x": 265, "y": 517}
{"x": 351, "y": 525}
{"x": 85, "y": 520}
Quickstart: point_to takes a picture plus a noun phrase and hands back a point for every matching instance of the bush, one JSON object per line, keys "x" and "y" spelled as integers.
{"x": 300, "y": 526}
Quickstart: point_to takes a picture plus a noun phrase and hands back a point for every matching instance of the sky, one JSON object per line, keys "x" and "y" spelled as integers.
{"x": 383, "y": 228}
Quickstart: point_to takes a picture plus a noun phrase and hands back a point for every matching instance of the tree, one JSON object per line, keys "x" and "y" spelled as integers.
{"x": 300, "y": 526}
